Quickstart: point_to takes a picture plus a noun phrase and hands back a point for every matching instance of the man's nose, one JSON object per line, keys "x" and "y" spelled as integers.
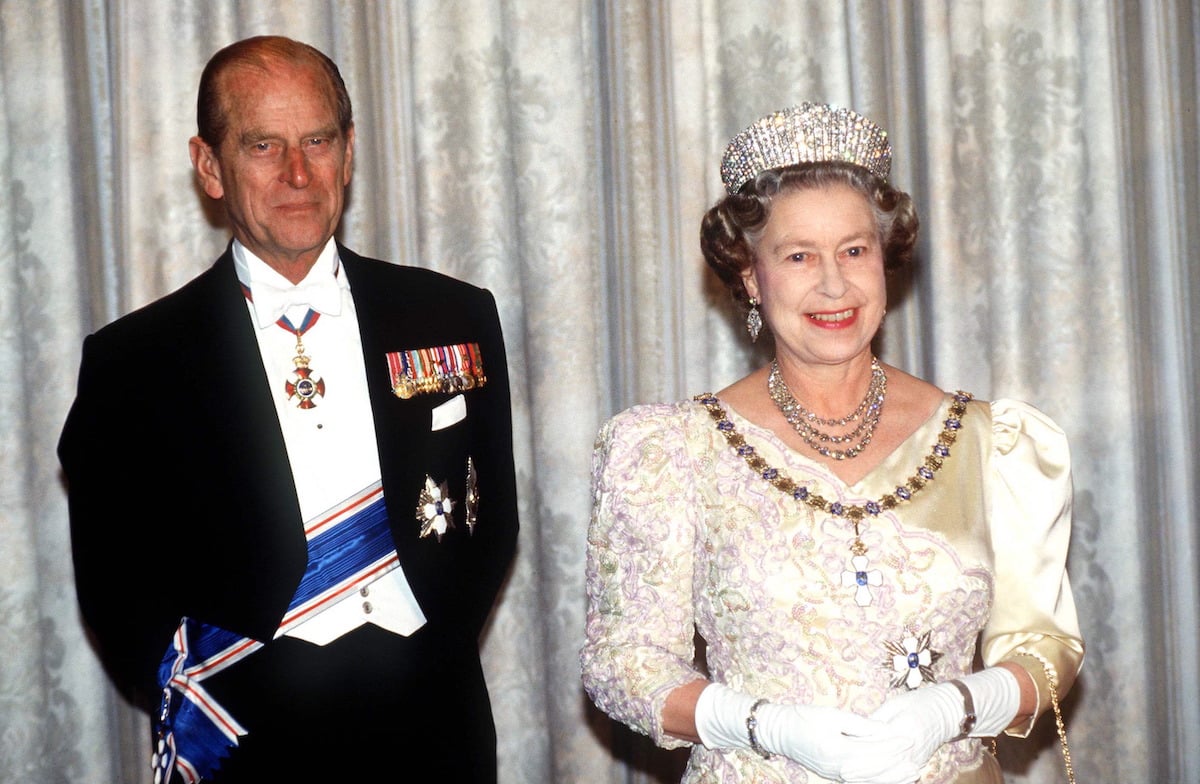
{"x": 295, "y": 168}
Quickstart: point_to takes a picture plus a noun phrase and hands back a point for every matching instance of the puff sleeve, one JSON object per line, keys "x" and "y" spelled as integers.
{"x": 640, "y": 630}
{"x": 1033, "y": 621}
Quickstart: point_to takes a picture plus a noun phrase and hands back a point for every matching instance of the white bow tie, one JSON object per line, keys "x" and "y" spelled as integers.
{"x": 271, "y": 302}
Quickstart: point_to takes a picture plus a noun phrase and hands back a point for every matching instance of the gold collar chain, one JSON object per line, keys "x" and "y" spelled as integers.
{"x": 852, "y": 512}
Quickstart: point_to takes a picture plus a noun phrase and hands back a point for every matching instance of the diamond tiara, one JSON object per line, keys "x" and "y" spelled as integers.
{"x": 806, "y": 133}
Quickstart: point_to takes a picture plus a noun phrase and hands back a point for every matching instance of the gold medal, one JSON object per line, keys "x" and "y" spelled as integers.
{"x": 404, "y": 388}
{"x": 444, "y": 370}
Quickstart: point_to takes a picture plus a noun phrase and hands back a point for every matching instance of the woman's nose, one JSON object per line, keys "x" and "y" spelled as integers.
{"x": 833, "y": 282}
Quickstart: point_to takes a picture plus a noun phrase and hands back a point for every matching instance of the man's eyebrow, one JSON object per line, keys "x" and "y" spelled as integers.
{"x": 328, "y": 132}
{"x": 253, "y": 135}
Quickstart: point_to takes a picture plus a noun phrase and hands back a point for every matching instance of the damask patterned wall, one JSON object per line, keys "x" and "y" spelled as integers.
{"x": 561, "y": 154}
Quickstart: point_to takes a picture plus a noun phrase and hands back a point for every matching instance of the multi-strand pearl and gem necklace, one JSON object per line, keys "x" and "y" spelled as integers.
{"x": 805, "y": 422}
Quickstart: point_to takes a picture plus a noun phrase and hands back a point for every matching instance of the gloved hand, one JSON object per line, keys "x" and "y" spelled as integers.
{"x": 932, "y": 715}
{"x": 835, "y": 744}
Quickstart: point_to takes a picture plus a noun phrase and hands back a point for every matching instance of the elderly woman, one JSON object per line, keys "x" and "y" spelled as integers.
{"x": 841, "y": 534}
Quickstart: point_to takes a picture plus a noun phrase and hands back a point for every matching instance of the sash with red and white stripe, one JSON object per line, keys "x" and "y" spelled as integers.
{"x": 349, "y": 547}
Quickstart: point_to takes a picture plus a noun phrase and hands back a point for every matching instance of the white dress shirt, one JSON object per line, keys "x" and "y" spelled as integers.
{"x": 331, "y": 446}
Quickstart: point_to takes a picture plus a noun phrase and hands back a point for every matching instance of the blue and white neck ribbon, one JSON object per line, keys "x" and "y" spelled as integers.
{"x": 349, "y": 546}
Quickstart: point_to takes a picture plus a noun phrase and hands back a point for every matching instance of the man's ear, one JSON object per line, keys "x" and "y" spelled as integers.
{"x": 207, "y": 166}
{"x": 349, "y": 169}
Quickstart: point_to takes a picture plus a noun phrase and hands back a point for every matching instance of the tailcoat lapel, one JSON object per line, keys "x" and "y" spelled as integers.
{"x": 393, "y": 318}
{"x": 259, "y": 553}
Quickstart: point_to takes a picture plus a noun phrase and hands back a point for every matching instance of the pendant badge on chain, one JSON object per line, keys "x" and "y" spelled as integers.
{"x": 303, "y": 386}
{"x": 859, "y": 577}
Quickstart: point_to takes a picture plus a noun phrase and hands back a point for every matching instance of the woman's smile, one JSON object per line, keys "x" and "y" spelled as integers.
{"x": 836, "y": 320}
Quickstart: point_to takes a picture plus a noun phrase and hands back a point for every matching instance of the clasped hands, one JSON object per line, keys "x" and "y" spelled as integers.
{"x": 891, "y": 746}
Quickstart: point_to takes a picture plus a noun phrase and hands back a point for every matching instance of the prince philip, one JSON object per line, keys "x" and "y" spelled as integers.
{"x": 291, "y": 483}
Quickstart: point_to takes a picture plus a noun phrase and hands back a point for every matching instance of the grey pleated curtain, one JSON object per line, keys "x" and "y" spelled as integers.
{"x": 561, "y": 154}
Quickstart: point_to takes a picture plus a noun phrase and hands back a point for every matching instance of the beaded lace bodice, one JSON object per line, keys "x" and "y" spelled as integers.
{"x": 685, "y": 532}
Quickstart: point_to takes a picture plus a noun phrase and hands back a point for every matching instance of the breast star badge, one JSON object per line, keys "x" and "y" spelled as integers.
{"x": 472, "y": 496}
{"x": 911, "y": 661}
{"x": 434, "y": 507}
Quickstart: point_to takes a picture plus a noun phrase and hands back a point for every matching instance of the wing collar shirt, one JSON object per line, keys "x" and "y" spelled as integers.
{"x": 331, "y": 446}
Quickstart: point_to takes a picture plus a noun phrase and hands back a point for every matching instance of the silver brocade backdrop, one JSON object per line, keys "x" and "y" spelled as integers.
{"x": 561, "y": 153}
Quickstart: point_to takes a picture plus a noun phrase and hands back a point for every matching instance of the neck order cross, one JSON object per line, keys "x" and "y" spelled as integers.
{"x": 303, "y": 385}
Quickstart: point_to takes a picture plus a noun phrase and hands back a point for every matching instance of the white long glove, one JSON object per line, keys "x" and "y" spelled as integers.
{"x": 835, "y": 744}
{"x": 932, "y": 715}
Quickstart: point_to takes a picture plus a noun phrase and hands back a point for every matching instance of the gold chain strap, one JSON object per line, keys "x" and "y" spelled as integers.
{"x": 1052, "y": 679}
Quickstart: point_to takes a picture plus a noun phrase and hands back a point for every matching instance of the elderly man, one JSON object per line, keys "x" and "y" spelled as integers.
{"x": 291, "y": 483}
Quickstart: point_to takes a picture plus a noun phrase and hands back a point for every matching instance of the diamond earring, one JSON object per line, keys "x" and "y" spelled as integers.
{"x": 754, "y": 321}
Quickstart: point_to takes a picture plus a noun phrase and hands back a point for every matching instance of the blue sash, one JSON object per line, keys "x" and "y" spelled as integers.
{"x": 348, "y": 547}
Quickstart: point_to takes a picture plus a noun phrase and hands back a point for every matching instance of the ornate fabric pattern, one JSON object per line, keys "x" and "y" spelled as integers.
{"x": 561, "y": 155}
{"x": 683, "y": 531}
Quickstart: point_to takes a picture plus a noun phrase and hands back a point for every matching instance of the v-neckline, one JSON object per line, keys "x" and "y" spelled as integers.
{"x": 887, "y": 463}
